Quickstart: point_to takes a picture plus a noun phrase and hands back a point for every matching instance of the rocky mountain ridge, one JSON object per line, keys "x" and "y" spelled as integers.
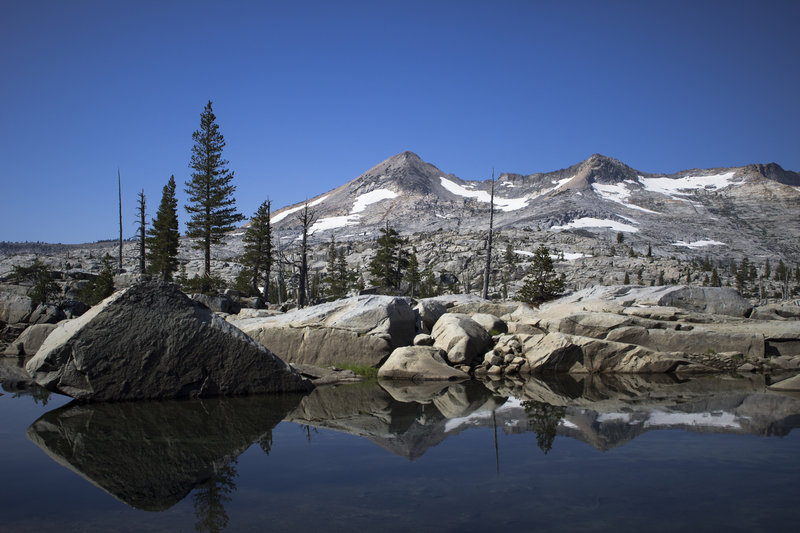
{"x": 580, "y": 213}
{"x": 752, "y": 210}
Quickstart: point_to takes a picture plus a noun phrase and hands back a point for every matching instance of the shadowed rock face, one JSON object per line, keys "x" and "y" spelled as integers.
{"x": 150, "y": 455}
{"x": 152, "y": 342}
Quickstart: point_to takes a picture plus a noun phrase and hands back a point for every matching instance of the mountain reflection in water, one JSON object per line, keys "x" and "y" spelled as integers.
{"x": 151, "y": 455}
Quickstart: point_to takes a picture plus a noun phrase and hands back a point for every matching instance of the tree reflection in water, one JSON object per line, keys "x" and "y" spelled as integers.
{"x": 209, "y": 499}
{"x": 543, "y": 418}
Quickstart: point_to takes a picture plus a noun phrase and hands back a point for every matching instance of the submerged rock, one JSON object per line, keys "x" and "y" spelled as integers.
{"x": 151, "y": 341}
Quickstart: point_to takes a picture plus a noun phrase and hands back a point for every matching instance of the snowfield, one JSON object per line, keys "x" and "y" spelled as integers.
{"x": 504, "y": 204}
{"x": 681, "y": 186}
{"x": 281, "y": 216}
{"x": 590, "y": 222}
{"x": 360, "y": 204}
{"x": 698, "y": 244}
{"x": 371, "y": 197}
{"x": 618, "y": 193}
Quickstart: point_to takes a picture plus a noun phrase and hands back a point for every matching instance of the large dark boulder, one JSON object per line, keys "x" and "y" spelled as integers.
{"x": 151, "y": 341}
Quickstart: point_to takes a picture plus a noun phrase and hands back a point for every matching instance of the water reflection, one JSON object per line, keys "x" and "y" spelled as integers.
{"x": 151, "y": 455}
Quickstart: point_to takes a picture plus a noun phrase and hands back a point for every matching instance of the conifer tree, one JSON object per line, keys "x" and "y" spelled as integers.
{"x": 337, "y": 272}
{"x": 390, "y": 261}
{"x": 212, "y": 207}
{"x": 163, "y": 236}
{"x": 541, "y": 283}
{"x": 412, "y": 275}
{"x": 257, "y": 257}
{"x": 509, "y": 257}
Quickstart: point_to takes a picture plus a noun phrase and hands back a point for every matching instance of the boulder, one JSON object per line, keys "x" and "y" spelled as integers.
{"x": 596, "y": 325}
{"x": 776, "y": 311}
{"x": 791, "y": 384}
{"x": 490, "y": 322}
{"x": 429, "y": 311}
{"x": 461, "y": 338}
{"x": 150, "y": 341}
{"x": 361, "y": 330}
{"x": 221, "y": 303}
{"x": 14, "y": 307}
{"x": 47, "y": 314}
{"x": 420, "y": 363}
{"x": 423, "y": 339}
{"x": 714, "y": 300}
{"x": 30, "y": 340}
{"x": 562, "y": 353}
{"x": 73, "y": 308}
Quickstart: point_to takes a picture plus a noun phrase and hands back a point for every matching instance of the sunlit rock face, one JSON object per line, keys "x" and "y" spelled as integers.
{"x": 150, "y": 341}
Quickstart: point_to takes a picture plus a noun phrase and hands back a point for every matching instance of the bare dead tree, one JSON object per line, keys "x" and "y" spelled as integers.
{"x": 140, "y": 211}
{"x": 488, "y": 270}
{"x": 307, "y": 219}
{"x": 119, "y": 189}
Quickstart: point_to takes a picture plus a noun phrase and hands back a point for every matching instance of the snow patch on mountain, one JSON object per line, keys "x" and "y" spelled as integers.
{"x": 372, "y": 197}
{"x": 504, "y": 204}
{"x": 681, "y": 186}
{"x": 698, "y": 244}
{"x": 591, "y": 222}
{"x": 618, "y": 193}
{"x": 281, "y": 216}
{"x": 713, "y": 419}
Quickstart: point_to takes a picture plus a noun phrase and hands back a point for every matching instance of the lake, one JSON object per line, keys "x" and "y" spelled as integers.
{"x": 612, "y": 453}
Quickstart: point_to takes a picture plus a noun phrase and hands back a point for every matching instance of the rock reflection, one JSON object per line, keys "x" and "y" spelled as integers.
{"x": 603, "y": 410}
{"x": 150, "y": 455}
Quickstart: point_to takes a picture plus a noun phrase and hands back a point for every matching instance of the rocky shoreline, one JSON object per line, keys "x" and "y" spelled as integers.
{"x": 151, "y": 341}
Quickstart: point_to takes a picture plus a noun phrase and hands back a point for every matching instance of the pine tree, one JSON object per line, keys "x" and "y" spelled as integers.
{"x": 715, "y": 282}
{"x": 163, "y": 236}
{"x": 390, "y": 261}
{"x": 141, "y": 211}
{"x": 767, "y": 269}
{"x": 413, "y": 276}
{"x": 649, "y": 251}
{"x": 101, "y": 287}
{"x": 211, "y": 206}
{"x": 541, "y": 283}
{"x": 627, "y": 280}
{"x": 509, "y": 256}
{"x": 257, "y": 257}
{"x": 337, "y": 273}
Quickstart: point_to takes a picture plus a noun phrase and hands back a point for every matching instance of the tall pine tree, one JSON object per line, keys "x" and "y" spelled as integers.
{"x": 257, "y": 258}
{"x": 162, "y": 237}
{"x": 211, "y": 207}
{"x": 390, "y": 261}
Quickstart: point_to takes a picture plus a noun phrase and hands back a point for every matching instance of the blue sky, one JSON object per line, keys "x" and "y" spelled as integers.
{"x": 311, "y": 94}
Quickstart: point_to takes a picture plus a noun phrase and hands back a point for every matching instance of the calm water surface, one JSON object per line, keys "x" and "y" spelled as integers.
{"x": 611, "y": 454}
